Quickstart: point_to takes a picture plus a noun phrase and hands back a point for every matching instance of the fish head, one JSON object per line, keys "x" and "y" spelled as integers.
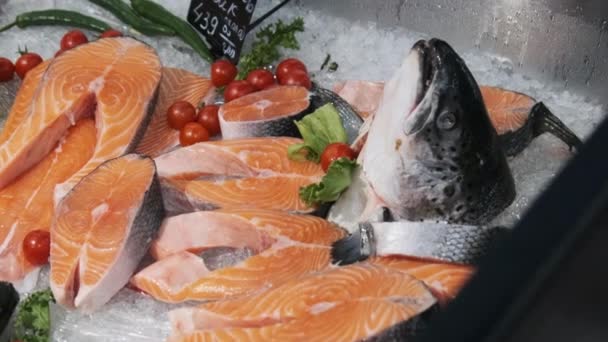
{"x": 432, "y": 152}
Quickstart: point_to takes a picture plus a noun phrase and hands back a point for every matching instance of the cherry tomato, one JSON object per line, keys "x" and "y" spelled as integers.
{"x": 7, "y": 69}
{"x": 222, "y": 72}
{"x": 287, "y": 66}
{"x": 27, "y": 62}
{"x": 193, "y": 133}
{"x": 336, "y": 151}
{"x": 297, "y": 77}
{"x": 59, "y": 52}
{"x": 208, "y": 117}
{"x": 180, "y": 113}
{"x": 72, "y": 39}
{"x": 237, "y": 89}
{"x": 37, "y": 247}
{"x": 111, "y": 33}
{"x": 260, "y": 79}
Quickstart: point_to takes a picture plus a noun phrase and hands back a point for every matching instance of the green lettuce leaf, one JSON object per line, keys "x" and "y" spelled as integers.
{"x": 33, "y": 323}
{"x": 338, "y": 178}
{"x": 319, "y": 129}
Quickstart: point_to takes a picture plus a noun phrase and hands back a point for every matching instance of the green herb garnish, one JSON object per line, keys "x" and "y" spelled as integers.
{"x": 33, "y": 323}
{"x": 319, "y": 129}
{"x": 265, "y": 49}
{"x": 333, "y": 67}
{"x": 338, "y": 178}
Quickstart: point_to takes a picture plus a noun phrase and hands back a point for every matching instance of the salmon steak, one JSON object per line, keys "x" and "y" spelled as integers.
{"x": 282, "y": 246}
{"x": 244, "y": 173}
{"x": 269, "y": 112}
{"x": 175, "y": 85}
{"x": 444, "y": 279}
{"x": 115, "y": 80}
{"x": 27, "y": 203}
{"x": 304, "y": 308}
{"x": 516, "y": 117}
{"x": 102, "y": 230}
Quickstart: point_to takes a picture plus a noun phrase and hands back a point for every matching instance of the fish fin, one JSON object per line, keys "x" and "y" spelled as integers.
{"x": 356, "y": 247}
{"x": 543, "y": 121}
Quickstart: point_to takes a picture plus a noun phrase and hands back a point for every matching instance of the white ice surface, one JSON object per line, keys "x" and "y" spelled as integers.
{"x": 363, "y": 51}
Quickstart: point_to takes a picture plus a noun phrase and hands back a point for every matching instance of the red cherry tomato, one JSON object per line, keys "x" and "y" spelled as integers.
{"x": 336, "y": 151}
{"x": 297, "y": 77}
{"x": 27, "y": 62}
{"x": 287, "y": 66}
{"x": 237, "y": 89}
{"x": 72, "y": 39}
{"x": 7, "y": 69}
{"x": 193, "y": 133}
{"x": 208, "y": 117}
{"x": 59, "y": 52}
{"x": 180, "y": 113}
{"x": 260, "y": 79}
{"x": 37, "y": 247}
{"x": 111, "y": 33}
{"x": 222, "y": 72}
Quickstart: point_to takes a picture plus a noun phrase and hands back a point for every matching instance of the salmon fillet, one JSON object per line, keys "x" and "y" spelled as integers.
{"x": 102, "y": 230}
{"x": 27, "y": 203}
{"x": 244, "y": 173}
{"x": 115, "y": 79}
{"x": 288, "y": 245}
{"x": 175, "y": 85}
{"x": 445, "y": 280}
{"x": 304, "y": 308}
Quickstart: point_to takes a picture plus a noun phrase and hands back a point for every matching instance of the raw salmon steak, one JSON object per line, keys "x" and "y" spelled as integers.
{"x": 269, "y": 112}
{"x": 369, "y": 299}
{"x": 444, "y": 279}
{"x": 114, "y": 79}
{"x": 284, "y": 246}
{"x": 27, "y": 203}
{"x": 102, "y": 230}
{"x": 175, "y": 85}
{"x": 243, "y": 173}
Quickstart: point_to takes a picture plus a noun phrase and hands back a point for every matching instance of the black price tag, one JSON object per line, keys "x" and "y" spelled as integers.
{"x": 224, "y": 23}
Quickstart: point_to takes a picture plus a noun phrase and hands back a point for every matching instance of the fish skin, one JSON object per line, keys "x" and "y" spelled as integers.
{"x": 441, "y": 160}
{"x": 70, "y": 278}
{"x": 8, "y": 91}
{"x": 351, "y": 121}
{"x": 429, "y": 240}
{"x": 279, "y": 127}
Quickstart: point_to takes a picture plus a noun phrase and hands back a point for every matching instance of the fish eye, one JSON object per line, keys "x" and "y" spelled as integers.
{"x": 446, "y": 121}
